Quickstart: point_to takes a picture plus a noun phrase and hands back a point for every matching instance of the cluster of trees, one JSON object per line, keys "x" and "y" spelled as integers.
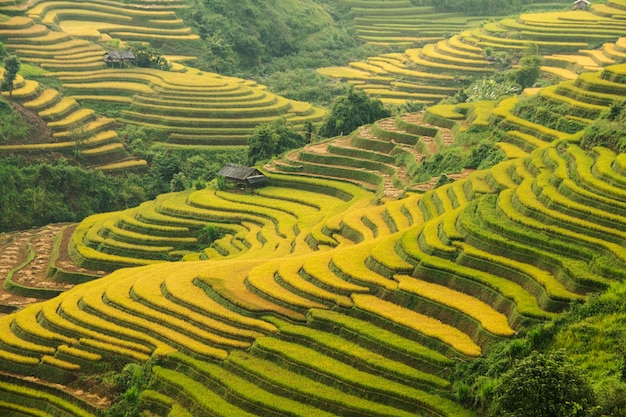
{"x": 246, "y": 37}
{"x": 148, "y": 57}
{"x": 39, "y": 193}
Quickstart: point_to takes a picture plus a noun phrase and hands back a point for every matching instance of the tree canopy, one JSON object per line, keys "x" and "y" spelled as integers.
{"x": 270, "y": 139}
{"x": 543, "y": 385}
{"x": 11, "y": 67}
{"x": 350, "y": 111}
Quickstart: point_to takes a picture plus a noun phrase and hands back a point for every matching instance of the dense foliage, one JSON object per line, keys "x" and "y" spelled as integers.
{"x": 350, "y": 111}
{"x": 244, "y": 34}
{"x": 556, "y": 386}
{"x": 270, "y": 139}
{"x": 35, "y": 194}
{"x": 11, "y": 67}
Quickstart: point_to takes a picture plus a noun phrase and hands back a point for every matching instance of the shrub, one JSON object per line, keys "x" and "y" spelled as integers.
{"x": 543, "y": 385}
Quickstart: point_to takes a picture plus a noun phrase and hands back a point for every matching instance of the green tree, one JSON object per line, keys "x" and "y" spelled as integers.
{"x": 270, "y": 139}
{"x": 529, "y": 71}
{"x": 148, "y": 57}
{"x": 11, "y": 67}
{"x": 543, "y": 385}
{"x": 351, "y": 111}
{"x": 262, "y": 143}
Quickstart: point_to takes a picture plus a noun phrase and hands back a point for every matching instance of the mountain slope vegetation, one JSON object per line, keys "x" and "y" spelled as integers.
{"x": 414, "y": 266}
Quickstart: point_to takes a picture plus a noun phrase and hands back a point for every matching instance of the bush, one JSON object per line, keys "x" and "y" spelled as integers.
{"x": 543, "y": 385}
{"x": 351, "y": 111}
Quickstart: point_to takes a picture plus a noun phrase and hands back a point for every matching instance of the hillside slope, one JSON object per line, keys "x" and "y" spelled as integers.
{"x": 318, "y": 302}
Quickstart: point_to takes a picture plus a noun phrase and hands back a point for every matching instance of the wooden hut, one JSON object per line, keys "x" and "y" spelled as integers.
{"x": 581, "y": 4}
{"x": 242, "y": 176}
{"x": 114, "y": 57}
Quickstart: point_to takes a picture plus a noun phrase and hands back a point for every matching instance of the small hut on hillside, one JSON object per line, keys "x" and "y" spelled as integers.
{"x": 114, "y": 57}
{"x": 581, "y": 4}
{"x": 242, "y": 177}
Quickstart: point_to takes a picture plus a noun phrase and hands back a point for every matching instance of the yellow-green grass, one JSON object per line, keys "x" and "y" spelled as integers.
{"x": 420, "y": 75}
{"x": 197, "y": 392}
{"x": 23, "y": 89}
{"x": 570, "y": 89}
{"x": 68, "y": 122}
{"x": 507, "y": 205}
{"x": 526, "y": 304}
{"x": 110, "y": 228}
{"x": 486, "y": 40}
{"x": 83, "y": 254}
{"x": 571, "y": 98}
{"x": 441, "y": 54}
{"x": 430, "y": 240}
{"x": 338, "y": 370}
{"x": 107, "y": 87}
{"x": 551, "y": 197}
{"x": 512, "y": 151}
{"x": 526, "y": 197}
{"x": 23, "y": 32}
{"x": 288, "y": 274}
{"x": 102, "y": 150}
{"x": 17, "y": 344}
{"x": 369, "y": 331}
{"x": 571, "y": 29}
{"x": 318, "y": 268}
{"x": 316, "y": 391}
{"x": 576, "y": 191}
{"x": 384, "y": 252}
{"x": 357, "y": 354}
{"x": 53, "y": 316}
{"x": 114, "y": 304}
{"x": 139, "y": 164}
{"x": 554, "y": 288}
{"x": 149, "y": 292}
{"x": 525, "y": 140}
{"x": 42, "y": 8}
{"x": 595, "y": 82}
{"x": 47, "y": 98}
{"x": 59, "y": 110}
{"x": 26, "y": 324}
{"x": 212, "y": 201}
{"x": 563, "y": 73}
{"x": 262, "y": 279}
{"x": 490, "y": 319}
{"x": 30, "y": 394}
{"x": 603, "y": 167}
{"x": 422, "y": 58}
{"x": 420, "y": 323}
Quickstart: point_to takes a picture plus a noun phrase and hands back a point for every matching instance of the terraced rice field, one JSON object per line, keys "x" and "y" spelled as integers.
{"x": 381, "y": 157}
{"x": 317, "y": 302}
{"x": 400, "y": 23}
{"x": 433, "y": 69}
{"x": 191, "y": 108}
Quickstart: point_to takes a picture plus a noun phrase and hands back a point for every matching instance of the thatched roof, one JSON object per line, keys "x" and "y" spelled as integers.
{"x": 242, "y": 173}
{"x": 118, "y": 56}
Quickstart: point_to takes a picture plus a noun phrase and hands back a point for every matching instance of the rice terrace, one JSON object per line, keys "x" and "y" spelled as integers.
{"x": 313, "y": 208}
